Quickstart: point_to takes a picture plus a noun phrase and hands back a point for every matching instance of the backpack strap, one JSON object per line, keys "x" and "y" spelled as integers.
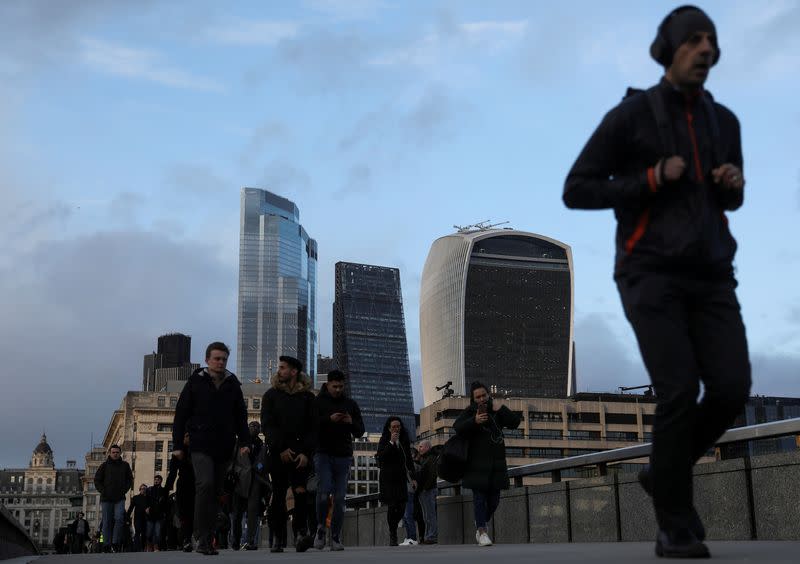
{"x": 713, "y": 126}
{"x": 656, "y": 102}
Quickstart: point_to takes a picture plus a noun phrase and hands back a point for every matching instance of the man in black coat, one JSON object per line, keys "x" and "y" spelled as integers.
{"x": 156, "y": 514}
{"x": 138, "y": 507}
{"x": 246, "y": 498}
{"x": 289, "y": 425}
{"x": 113, "y": 480}
{"x": 81, "y": 532}
{"x": 211, "y": 410}
{"x": 669, "y": 162}
{"x": 339, "y": 421}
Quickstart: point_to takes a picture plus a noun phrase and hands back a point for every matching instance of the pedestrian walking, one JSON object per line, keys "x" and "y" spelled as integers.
{"x": 247, "y": 493}
{"x": 138, "y": 508}
{"x": 81, "y": 534}
{"x": 668, "y": 160}
{"x": 113, "y": 479}
{"x": 482, "y": 424}
{"x": 428, "y": 490}
{"x": 156, "y": 512}
{"x": 396, "y": 472}
{"x": 212, "y": 412}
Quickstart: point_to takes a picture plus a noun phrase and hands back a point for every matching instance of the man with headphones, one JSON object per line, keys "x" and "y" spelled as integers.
{"x": 669, "y": 162}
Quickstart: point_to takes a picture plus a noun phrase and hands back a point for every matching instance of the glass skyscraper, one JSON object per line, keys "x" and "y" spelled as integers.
{"x": 370, "y": 347}
{"x": 277, "y": 287}
{"x": 496, "y": 306}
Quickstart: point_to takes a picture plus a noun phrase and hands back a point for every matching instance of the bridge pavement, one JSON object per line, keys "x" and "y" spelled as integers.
{"x": 723, "y": 551}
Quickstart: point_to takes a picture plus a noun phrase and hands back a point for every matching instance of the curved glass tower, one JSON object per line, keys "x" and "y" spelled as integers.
{"x": 277, "y": 287}
{"x": 496, "y": 306}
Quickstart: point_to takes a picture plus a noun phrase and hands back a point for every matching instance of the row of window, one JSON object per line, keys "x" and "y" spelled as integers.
{"x": 173, "y": 402}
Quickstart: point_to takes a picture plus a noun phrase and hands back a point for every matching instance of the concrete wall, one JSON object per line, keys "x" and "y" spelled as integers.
{"x": 740, "y": 499}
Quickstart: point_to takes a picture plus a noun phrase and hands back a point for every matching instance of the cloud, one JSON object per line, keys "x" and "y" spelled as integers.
{"x": 195, "y": 179}
{"x": 359, "y": 180}
{"x": 326, "y": 58}
{"x": 347, "y": 9}
{"x": 282, "y": 177}
{"x": 431, "y": 115}
{"x": 775, "y": 375}
{"x": 254, "y": 32}
{"x": 270, "y": 132}
{"x": 144, "y": 64}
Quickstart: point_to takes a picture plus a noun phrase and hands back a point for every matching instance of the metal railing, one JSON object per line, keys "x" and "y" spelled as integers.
{"x": 602, "y": 460}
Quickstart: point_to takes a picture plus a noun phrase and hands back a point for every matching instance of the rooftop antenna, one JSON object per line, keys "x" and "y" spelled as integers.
{"x": 484, "y": 225}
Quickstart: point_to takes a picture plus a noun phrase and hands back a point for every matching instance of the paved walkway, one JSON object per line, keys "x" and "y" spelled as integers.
{"x": 761, "y": 551}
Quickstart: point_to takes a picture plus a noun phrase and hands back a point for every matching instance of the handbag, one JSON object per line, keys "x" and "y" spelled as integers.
{"x": 453, "y": 459}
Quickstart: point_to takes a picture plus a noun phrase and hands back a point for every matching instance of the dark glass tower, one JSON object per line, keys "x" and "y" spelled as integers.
{"x": 277, "y": 287}
{"x": 370, "y": 347}
{"x": 176, "y": 349}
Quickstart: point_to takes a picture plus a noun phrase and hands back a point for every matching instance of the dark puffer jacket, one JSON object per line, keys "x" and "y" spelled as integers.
{"x": 287, "y": 417}
{"x": 214, "y": 418}
{"x": 486, "y": 468}
{"x": 336, "y": 439}
{"x": 679, "y": 225}
{"x": 427, "y": 476}
{"x": 113, "y": 480}
{"x": 396, "y": 466}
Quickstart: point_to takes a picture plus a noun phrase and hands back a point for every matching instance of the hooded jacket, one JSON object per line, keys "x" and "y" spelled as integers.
{"x": 287, "y": 416}
{"x": 677, "y": 226}
{"x": 336, "y": 439}
{"x": 113, "y": 480}
{"x": 396, "y": 466}
{"x": 486, "y": 465}
{"x": 214, "y": 418}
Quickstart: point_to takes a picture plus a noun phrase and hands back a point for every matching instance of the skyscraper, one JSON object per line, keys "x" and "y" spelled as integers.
{"x": 369, "y": 340}
{"x": 174, "y": 351}
{"x": 277, "y": 287}
{"x": 496, "y": 306}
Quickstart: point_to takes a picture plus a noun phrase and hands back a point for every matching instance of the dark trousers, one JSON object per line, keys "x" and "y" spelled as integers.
{"x": 484, "y": 504}
{"x": 689, "y": 330}
{"x": 394, "y": 514}
{"x": 285, "y": 476}
{"x": 209, "y": 477}
{"x": 250, "y": 505}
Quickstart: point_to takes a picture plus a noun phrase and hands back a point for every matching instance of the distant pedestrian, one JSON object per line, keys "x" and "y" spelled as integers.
{"x": 81, "y": 532}
{"x": 289, "y": 424}
{"x": 156, "y": 512}
{"x": 413, "y": 534}
{"x": 482, "y": 423}
{"x": 396, "y": 472}
{"x": 339, "y": 422}
{"x": 113, "y": 480}
{"x": 428, "y": 490}
{"x": 247, "y": 494}
{"x": 182, "y": 472}
{"x": 138, "y": 508}
{"x": 211, "y": 410}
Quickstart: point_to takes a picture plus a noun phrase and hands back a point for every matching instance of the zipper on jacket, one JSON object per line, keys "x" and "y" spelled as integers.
{"x": 690, "y": 122}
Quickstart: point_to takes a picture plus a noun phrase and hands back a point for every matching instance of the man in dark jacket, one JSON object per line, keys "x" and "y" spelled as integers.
{"x": 156, "y": 514}
{"x": 81, "y": 534}
{"x": 211, "y": 410}
{"x": 669, "y": 162}
{"x": 427, "y": 478}
{"x": 482, "y": 423}
{"x": 182, "y": 472}
{"x": 287, "y": 418}
{"x": 138, "y": 507}
{"x": 113, "y": 480}
{"x": 247, "y": 495}
{"x": 339, "y": 421}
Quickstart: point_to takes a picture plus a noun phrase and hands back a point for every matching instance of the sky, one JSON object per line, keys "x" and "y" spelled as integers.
{"x": 127, "y": 130}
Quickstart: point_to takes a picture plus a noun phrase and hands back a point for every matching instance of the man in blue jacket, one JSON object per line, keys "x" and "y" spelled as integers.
{"x": 211, "y": 410}
{"x": 669, "y": 162}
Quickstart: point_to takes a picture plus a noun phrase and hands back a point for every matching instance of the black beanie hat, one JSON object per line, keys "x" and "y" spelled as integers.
{"x": 676, "y": 28}
{"x": 476, "y": 386}
{"x": 292, "y": 362}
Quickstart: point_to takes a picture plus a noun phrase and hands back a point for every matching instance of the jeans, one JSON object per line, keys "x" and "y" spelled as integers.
{"x": 332, "y": 474}
{"x": 408, "y": 518}
{"x": 113, "y": 513}
{"x": 427, "y": 499}
{"x": 209, "y": 477}
{"x": 154, "y": 531}
{"x": 485, "y": 504}
{"x": 251, "y": 506}
{"x": 689, "y": 328}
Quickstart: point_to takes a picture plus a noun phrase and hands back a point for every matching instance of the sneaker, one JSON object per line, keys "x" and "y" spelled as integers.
{"x": 188, "y": 547}
{"x": 336, "y": 544}
{"x": 303, "y": 543}
{"x": 430, "y": 541}
{"x": 695, "y": 524}
{"x": 250, "y": 546}
{"x": 478, "y": 537}
{"x": 319, "y": 539}
{"x": 680, "y": 544}
{"x": 484, "y": 540}
{"x": 408, "y": 542}
{"x": 276, "y": 548}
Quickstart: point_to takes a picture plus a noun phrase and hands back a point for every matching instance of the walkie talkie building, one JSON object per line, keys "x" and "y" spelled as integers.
{"x": 496, "y": 306}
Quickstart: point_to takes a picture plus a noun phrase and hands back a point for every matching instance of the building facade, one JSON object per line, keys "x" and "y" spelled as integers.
{"x": 41, "y": 497}
{"x": 174, "y": 351}
{"x": 176, "y": 348}
{"x": 370, "y": 347}
{"x": 324, "y": 365}
{"x": 496, "y": 305}
{"x": 277, "y": 287}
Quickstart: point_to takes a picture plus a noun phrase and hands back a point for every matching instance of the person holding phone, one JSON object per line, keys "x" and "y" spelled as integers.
{"x": 482, "y": 423}
{"x": 339, "y": 422}
{"x": 396, "y": 472}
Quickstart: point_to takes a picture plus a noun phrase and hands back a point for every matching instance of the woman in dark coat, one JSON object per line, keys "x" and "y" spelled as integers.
{"x": 397, "y": 468}
{"x": 482, "y": 423}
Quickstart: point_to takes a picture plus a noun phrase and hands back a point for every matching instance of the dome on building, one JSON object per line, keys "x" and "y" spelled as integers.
{"x": 43, "y": 447}
{"x": 42, "y": 455}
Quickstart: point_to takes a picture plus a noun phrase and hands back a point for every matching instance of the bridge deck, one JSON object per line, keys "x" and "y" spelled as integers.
{"x": 758, "y": 551}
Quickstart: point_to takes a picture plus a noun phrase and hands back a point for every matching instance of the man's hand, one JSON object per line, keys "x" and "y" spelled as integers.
{"x": 481, "y": 418}
{"x": 336, "y": 417}
{"x": 302, "y": 461}
{"x": 395, "y": 437}
{"x": 728, "y": 176}
{"x": 670, "y": 170}
{"x": 177, "y": 454}
{"x": 147, "y": 510}
{"x": 244, "y": 450}
{"x": 287, "y": 456}
{"x": 346, "y": 419}
{"x": 414, "y": 485}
